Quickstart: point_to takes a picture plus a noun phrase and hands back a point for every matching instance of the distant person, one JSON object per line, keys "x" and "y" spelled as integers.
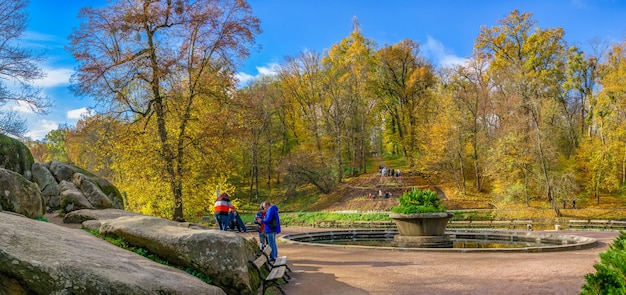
{"x": 380, "y": 193}
{"x": 387, "y": 195}
{"x": 564, "y": 203}
{"x": 573, "y": 204}
{"x": 272, "y": 227}
{"x": 259, "y": 217}
{"x": 397, "y": 172}
{"x": 371, "y": 196}
{"x": 221, "y": 209}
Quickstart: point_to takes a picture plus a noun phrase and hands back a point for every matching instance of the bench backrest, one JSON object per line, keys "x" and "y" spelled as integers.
{"x": 259, "y": 262}
{"x": 267, "y": 251}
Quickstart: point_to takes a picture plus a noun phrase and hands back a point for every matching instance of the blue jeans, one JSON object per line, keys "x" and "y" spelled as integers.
{"x": 222, "y": 221}
{"x": 271, "y": 240}
{"x": 263, "y": 240}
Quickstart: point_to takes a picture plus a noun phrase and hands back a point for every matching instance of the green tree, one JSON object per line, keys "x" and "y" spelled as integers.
{"x": 55, "y": 142}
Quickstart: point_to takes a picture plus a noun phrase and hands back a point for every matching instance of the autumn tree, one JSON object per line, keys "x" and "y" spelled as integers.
{"x": 528, "y": 67}
{"x": 151, "y": 61}
{"x": 603, "y": 152}
{"x": 302, "y": 86}
{"x": 347, "y": 67}
{"x": 403, "y": 82}
{"x": 470, "y": 88}
{"x": 18, "y": 66}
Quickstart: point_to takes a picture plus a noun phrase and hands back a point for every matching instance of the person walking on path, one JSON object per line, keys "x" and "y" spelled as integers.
{"x": 272, "y": 227}
{"x": 221, "y": 209}
{"x": 258, "y": 220}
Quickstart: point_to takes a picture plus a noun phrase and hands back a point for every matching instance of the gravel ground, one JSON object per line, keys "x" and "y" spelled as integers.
{"x": 339, "y": 270}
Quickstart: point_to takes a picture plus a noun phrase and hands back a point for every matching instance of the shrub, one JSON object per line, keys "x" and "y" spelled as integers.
{"x": 419, "y": 201}
{"x": 610, "y": 276}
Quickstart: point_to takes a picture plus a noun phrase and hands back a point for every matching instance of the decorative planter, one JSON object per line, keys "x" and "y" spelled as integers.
{"x": 423, "y": 230}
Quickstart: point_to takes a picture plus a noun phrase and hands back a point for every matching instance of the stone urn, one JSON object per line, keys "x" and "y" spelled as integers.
{"x": 422, "y": 230}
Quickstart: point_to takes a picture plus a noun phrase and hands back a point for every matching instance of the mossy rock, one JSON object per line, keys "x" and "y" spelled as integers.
{"x": 15, "y": 156}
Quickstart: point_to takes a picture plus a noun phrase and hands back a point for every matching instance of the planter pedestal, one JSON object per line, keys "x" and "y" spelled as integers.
{"x": 423, "y": 230}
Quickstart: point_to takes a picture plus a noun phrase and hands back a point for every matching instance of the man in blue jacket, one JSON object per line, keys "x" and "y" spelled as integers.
{"x": 272, "y": 226}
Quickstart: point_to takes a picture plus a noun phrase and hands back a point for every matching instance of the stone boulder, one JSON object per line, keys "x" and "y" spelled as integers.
{"x": 71, "y": 198}
{"x": 91, "y": 191}
{"x": 80, "y": 216}
{"x": 223, "y": 256}
{"x": 98, "y": 192}
{"x": 20, "y": 195}
{"x": 70, "y": 261}
{"x": 15, "y": 156}
{"x": 48, "y": 185}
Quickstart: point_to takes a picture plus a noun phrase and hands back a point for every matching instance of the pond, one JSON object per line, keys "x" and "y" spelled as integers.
{"x": 463, "y": 240}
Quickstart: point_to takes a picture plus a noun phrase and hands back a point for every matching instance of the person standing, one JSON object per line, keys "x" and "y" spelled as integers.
{"x": 259, "y": 217}
{"x": 272, "y": 227}
{"x": 221, "y": 209}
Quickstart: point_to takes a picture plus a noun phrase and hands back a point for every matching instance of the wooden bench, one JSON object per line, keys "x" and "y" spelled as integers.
{"x": 280, "y": 261}
{"x": 590, "y": 224}
{"x": 274, "y": 274}
{"x": 616, "y": 224}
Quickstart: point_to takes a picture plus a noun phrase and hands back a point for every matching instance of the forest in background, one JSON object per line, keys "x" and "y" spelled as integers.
{"x": 527, "y": 116}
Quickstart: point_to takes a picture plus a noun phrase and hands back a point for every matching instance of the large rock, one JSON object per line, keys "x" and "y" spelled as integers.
{"x": 48, "y": 185}
{"x": 70, "y": 261}
{"x": 223, "y": 256}
{"x": 91, "y": 191}
{"x": 15, "y": 156}
{"x": 98, "y": 191}
{"x": 71, "y": 198}
{"x": 80, "y": 216}
{"x": 20, "y": 195}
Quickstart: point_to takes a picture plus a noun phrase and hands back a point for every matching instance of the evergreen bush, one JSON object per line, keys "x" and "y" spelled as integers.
{"x": 610, "y": 276}
{"x": 419, "y": 201}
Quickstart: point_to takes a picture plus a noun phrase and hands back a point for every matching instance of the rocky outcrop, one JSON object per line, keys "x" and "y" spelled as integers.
{"x": 48, "y": 185}
{"x": 20, "y": 195}
{"x": 15, "y": 156}
{"x": 42, "y": 258}
{"x": 71, "y": 198}
{"x": 80, "y": 216}
{"x": 75, "y": 188}
{"x": 223, "y": 256}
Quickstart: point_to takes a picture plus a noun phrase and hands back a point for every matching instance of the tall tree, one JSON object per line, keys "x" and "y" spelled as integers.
{"x": 471, "y": 88}
{"x": 19, "y": 66}
{"x": 404, "y": 82}
{"x": 149, "y": 60}
{"x": 528, "y": 66}
{"x": 349, "y": 63}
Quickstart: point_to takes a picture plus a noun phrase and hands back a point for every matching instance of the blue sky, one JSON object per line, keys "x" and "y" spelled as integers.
{"x": 446, "y": 30}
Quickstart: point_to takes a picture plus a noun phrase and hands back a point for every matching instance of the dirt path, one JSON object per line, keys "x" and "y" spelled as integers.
{"x": 338, "y": 270}
{"x": 346, "y": 271}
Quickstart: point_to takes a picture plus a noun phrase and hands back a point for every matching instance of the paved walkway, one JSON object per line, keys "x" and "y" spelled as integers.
{"x": 339, "y": 270}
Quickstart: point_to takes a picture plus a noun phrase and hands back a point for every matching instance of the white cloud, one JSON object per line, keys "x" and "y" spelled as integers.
{"x": 439, "y": 55}
{"x": 243, "y": 78}
{"x": 41, "y": 128}
{"x": 55, "y": 77}
{"x": 269, "y": 70}
{"x": 78, "y": 113}
{"x": 23, "y": 108}
{"x": 246, "y": 79}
